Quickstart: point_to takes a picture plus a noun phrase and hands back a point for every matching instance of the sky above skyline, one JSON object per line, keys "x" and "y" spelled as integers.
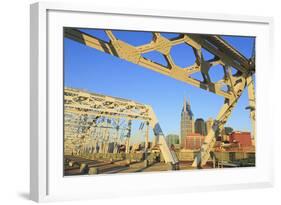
{"x": 92, "y": 70}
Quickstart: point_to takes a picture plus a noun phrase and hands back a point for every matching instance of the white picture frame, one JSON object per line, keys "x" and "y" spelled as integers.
{"x": 46, "y": 176}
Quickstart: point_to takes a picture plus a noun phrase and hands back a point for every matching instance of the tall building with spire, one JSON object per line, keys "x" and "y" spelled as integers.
{"x": 187, "y": 121}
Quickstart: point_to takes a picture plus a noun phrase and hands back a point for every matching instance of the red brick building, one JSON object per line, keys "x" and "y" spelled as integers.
{"x": 243, "y": 139}
{"x": 192, "y": 141}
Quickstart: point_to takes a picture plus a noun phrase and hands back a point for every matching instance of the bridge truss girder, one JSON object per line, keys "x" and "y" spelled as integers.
{"x": 230, "y": 86}
{"x": 84, "y": 104}
{"x": 90, "y": 132}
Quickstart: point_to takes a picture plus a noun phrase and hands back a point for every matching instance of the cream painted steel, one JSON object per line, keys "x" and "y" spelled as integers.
{"x": 79, "y": 103}
{"x": 230, "y": 86}
{"x": 209, "y": 142}
{"x": 127, "y": 141}
{"x": 252, "y": 104}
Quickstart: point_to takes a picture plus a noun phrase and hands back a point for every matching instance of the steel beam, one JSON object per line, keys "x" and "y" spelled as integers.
{"x": 79, "y": 103}
{"x": 230, "y": 86}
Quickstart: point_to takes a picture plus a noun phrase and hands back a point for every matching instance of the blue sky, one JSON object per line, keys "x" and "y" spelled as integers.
{"x": 95, "y": 71}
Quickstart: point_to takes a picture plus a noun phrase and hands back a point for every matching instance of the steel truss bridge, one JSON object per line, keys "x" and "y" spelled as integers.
{"x": 89, "y": 119}
{"x": 238, "y": 71}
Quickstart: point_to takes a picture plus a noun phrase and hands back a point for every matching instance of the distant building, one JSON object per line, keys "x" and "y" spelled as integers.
{"x": 243, "y": 139}
{"x": 200, "y": 127}
{"x": 172, "y": 139}
{"x": 225, "y": 134}
{"x": 228, "y": 130}
{"x": 187, "y": 121}
{"x": 193, "y": 141}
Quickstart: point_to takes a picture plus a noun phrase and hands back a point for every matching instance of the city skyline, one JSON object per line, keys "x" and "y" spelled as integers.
{"x": 92, "y": 70}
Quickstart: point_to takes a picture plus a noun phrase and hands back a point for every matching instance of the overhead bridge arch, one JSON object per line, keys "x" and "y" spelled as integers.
{"x": 230, "y": 86}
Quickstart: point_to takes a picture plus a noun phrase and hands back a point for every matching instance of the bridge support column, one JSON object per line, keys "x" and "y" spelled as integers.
{"x": 226, "y": 110}
{"x": 146, "y": 139}
{"x": 252, "y": 104}
{"x": 128, "y": 136}
{"x": 209, "y": 142}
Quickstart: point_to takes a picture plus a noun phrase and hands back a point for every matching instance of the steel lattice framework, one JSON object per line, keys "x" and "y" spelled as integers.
{"x": 92, "y": 133}
{"x": 238, "y": 70}
{"x": 86, "y": 113}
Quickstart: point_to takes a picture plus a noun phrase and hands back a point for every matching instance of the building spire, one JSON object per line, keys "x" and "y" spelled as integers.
{"x": 184, "y": 104}
{"x": 187, "y": 122}
{"x": 186, "y": 107}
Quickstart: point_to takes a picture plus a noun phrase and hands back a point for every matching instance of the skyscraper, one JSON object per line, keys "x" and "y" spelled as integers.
{"x": 187, "y": 121}
{"x": 200, "y": 127}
